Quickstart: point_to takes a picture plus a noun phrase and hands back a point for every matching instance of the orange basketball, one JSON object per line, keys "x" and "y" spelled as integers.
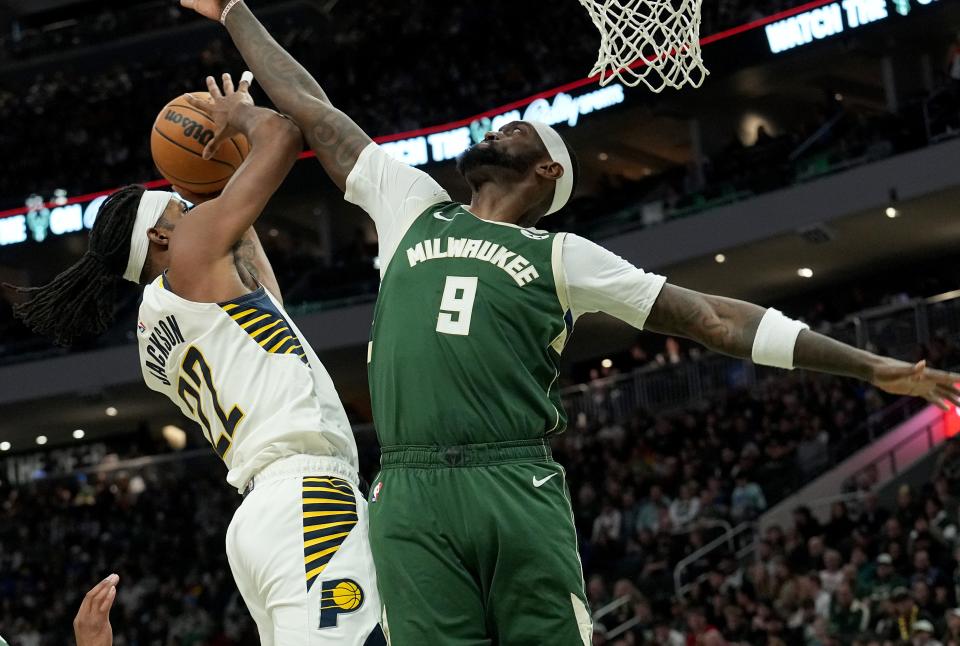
{"x": 179, "y": 135}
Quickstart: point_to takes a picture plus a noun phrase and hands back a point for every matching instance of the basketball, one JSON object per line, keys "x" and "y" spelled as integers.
{"x": 179, "y": 135}
{"x": 347, "y": 595}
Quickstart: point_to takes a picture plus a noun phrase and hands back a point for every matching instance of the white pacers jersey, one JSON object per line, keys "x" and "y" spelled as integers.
{"x": 245, "y": 373}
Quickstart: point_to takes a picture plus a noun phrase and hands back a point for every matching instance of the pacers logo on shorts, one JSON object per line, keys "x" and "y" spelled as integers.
{"x": 339, "y": 597}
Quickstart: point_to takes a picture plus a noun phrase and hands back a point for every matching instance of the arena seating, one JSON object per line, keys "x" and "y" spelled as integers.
{"x": 649, "y": 489}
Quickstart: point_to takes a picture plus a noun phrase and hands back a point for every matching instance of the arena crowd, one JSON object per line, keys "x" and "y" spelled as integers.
{"x": 648, "y": 490}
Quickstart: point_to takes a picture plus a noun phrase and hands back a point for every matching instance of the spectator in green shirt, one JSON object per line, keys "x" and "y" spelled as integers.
{"x": 848, "y": 615}
{"x": 878, "y": 585}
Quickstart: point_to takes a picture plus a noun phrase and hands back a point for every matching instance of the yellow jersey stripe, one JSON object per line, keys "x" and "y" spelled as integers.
{"x": 324, "y": 539}
{"x": 327, "y": 489}
{"x": 256, "y": 319}
{"x": 312, "y": 528}
{"x": 334, "y": 481}
{"x": 321, "y": 553}
{"x": 243, "y": 313}
{"x": 255, "y": 333}
{"x": 315, "y": 571}
{"x": 282, "y": 341}
{"x": 230, "y": 306}
{"x": 318, "y": 514}
{"x": 292, "y": 348}
{"x": 275, "y": 333}
{"x": 332, "y": 501}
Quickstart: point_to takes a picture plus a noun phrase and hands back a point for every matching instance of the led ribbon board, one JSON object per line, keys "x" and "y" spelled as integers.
{"x": 832, "y": 20}
{"x": 448, "y": 144}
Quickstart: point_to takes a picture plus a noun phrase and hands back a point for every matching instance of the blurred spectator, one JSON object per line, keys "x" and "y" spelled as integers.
{"x": 747, "y": 500}
{"x": 849, "y": 616}
{"x": 951, "y": 634}
{"x": 923, "y": 634}
{"x": 685, "y": 508}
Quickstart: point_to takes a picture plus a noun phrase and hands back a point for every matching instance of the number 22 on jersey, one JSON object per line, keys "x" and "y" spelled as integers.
{"x": 195, "y": 373}
{"x": 456, "y": 305}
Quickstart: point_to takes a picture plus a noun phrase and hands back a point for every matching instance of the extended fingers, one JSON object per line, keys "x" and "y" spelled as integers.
{"x": 107, "y": 600}
{"x": 949, "y": 388}
{"x": 939, "y": 403}
{"x": 197, "y": 102}
{"x": 97, "y": 592}
{"x": 213, "y": 88}
{"x": 942, "y": 376}
{"x": 948, "y": 394}
{"x": 245, "y": 80}
{"x": 227, "y": 84}
{"x": 214, "y": 145}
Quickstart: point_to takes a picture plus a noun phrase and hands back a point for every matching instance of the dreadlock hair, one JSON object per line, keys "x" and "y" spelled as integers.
{"x": 80, "y": 301}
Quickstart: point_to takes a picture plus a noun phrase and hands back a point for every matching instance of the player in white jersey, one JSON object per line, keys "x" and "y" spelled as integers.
{"x": 215, "y": 339}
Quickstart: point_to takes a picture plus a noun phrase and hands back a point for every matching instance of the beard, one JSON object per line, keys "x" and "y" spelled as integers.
{"x": 477, "y": 157}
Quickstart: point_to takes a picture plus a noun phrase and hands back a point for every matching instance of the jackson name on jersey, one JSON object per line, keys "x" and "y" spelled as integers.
{"x": 243, "y": 371}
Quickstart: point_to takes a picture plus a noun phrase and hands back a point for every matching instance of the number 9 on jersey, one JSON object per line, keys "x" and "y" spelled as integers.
{"x": 456, "y": 306}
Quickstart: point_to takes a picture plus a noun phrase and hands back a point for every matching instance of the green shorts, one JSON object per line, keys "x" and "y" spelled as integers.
{"x": 475, "y": 545}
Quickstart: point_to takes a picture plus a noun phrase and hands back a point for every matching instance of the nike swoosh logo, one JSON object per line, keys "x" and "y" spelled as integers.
{"x": 537, "y": 483}
{"x": 440, "y": 217}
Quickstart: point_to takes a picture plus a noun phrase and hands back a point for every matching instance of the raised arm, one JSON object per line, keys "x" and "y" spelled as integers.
{"x": 733, "y": 327}
{"x": 218, "y": 228}
{"x": 333, "y": 136}
{"x": 248, "y": 252}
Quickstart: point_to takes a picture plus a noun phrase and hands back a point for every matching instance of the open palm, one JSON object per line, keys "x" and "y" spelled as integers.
{"x": 208, "y": 8}
{"x": 901, "y": 378}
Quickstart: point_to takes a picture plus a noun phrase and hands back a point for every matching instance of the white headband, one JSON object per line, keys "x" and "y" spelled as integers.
{"x": 558, "y": 153}
{"x": 151, "y": 208}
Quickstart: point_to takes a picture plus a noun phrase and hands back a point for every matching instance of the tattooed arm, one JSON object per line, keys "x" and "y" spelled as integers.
{"x": 598, "y": 280}
{"x": 250, "y": 257}
{"x": 730, "y": 326}
{"x": 332, "y": 135}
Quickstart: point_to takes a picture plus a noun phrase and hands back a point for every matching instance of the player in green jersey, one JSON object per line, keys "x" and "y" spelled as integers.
{"x": 470, "y": 518}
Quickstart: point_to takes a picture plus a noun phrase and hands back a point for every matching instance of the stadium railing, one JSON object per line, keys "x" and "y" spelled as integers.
{"x": 740, "y": 541}
{"x": 889, "y": 464}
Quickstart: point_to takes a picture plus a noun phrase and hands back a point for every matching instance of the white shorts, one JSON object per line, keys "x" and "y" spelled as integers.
{"x": 299, "y": 550}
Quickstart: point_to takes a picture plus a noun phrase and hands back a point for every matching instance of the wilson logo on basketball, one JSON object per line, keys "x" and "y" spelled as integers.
{"x": 191, "y": 128}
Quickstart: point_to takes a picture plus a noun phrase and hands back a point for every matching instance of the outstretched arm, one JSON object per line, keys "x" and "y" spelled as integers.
{"x": 333, "y": 136}
{"x": 600, "y": 281}
{"x": 730, "y": 327}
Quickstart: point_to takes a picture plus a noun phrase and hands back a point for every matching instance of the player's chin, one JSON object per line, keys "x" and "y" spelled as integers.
{"x": 480, "y": 155}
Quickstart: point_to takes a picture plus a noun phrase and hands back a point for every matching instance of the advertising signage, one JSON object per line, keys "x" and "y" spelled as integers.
{"x": 833, "y": 19}
{"x": 43, "y": 219}
{"x": 447, "y": 144}
{"x": 40, "y": 220}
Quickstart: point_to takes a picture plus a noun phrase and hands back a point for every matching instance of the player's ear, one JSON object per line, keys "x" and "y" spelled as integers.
{"x": 550, "y": 170}
{"x": 159, "y": 236}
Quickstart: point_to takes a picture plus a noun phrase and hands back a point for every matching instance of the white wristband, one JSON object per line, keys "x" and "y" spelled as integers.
{"x": 226, "y": 10}
{"x": 776, "y": 339}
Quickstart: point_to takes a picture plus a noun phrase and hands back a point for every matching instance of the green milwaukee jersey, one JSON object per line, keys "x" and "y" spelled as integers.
{"x": 467, "y": 333}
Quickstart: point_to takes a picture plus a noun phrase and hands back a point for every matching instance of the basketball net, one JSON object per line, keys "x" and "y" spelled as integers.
{"x": 656, "y": 42}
